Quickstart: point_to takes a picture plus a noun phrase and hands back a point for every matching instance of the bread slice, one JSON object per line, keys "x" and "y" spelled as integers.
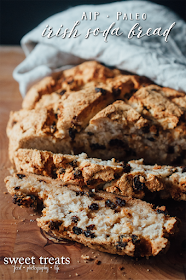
{"x": 132, "y": 179}
{"x": 102, "y": 221}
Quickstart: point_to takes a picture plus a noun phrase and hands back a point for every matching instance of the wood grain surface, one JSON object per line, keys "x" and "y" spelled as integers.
{"x": 20, "y": 236}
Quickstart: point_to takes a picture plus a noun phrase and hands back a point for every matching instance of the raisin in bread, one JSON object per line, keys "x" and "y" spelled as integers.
{"x": 129, "y": 179}
{"x": 103, "y": 221}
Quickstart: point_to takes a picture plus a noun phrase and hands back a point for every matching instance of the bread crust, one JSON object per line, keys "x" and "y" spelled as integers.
{"x": 89, "y": 73}
{"x": 161, "y": 108}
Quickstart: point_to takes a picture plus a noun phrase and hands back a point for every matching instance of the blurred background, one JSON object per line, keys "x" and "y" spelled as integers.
{"x": 17, "y": 17}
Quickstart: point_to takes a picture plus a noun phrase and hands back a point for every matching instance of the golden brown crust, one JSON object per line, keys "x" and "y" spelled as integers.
{"x": 140, "y": 81}
{"x": 175, "y": 96}
{"x": 75, "y": 109}
{"x": 87, "y": 74}
{"x": 118, "y": 86}
{"x": 46, "y": 85}
{"x": 68, "y": 80}
{"x": 161, "y": 108}
{"x": 119, "y": 113}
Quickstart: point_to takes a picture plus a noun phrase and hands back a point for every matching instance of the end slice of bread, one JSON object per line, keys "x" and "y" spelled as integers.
{"x": 99, "y": 220}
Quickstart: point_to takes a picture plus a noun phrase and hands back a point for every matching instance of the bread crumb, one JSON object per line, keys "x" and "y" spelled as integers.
{"x": 11, "y": 170}
{"x": 120, "y": 267}
{"x": 69, "y": 275}
{"x": 77, "y": 274}
{"x": 97, "y": 262}
{"x": 148, "y": 269}
{"x": 85, "y": 257}
{"x": 5, "y": 192}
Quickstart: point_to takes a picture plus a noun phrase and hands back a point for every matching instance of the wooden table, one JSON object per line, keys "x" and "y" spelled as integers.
{"x": 20, "y": 236}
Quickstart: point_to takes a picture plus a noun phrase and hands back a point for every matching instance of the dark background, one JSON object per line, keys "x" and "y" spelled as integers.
{"x": 17, "y": 17}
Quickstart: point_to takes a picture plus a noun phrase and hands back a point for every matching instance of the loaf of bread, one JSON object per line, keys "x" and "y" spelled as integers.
{"x": 132, "y": 179}
{"x": 100, "y": 220}
{"x": 103, "y": 113}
